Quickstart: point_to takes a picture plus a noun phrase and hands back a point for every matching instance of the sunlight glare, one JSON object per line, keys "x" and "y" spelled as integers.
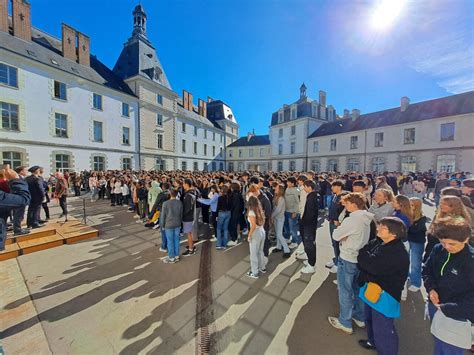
{"x": 386, "y": 12}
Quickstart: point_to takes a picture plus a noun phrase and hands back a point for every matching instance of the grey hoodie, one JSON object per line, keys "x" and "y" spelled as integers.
{"x": 356, "y": 228}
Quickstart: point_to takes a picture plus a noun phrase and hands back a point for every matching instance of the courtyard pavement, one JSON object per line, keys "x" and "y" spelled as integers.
{"x": 114, "y": 295}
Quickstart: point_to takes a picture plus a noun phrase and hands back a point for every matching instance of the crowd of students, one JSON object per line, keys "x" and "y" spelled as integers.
{"x": 382, "y": 244}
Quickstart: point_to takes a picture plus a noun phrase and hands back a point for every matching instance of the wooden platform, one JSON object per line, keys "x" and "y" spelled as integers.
{"x": 53, "y": 234}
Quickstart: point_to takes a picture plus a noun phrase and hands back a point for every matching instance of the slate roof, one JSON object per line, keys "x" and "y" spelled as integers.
{"x": 421, "y": 111}
{"x": 254, "y": 140}
{"x": 47, "y": 50}
{"x": 218, "y": 110}
{"x": 195, "y": 116}
{"x": 303, "y": 109}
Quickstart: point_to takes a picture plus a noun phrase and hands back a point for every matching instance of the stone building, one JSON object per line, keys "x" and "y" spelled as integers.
{"x": 249, "y": 153}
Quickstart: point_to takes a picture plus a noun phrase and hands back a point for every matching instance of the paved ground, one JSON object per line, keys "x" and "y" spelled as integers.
{"x": 113, "y": 295}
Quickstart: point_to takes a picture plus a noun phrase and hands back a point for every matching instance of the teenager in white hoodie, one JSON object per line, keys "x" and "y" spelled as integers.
{"x": 352, "y": 235}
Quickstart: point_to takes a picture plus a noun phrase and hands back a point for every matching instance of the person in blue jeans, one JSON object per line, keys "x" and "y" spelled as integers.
{"x": 352, "y": 235}
{"x": 223, "y": 217}
{"x": 416, "y": 238}
{"x": 171, "y": 218}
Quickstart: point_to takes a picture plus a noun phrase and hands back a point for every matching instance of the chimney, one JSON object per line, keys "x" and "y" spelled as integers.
{"x": 202, "y": 108}
{"x": 404, "y": 102}
{"x": 331, "y": 113}
{"x": 322, "y": 98}
{"x": 21, "y": 19}
{"x": 185, "y": 100}
{"x": 69, "y": 42}
{"x": 83, "y": 49}
{"x": 250, "y": 135}
{"x": 209, "y": 99}
{"x": 355, "y": 114}
{"x": 4, "y": 15}
{"x": 190, "y": 102}
{"x": 346, "y": 113}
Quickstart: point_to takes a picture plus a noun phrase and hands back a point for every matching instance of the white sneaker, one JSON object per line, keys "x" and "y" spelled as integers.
{"x": 359, "y": 323}
{"x": 163, "y": 250}
{"x": 156, "y": 226}
{"x": 245, "y": 231}
{"x": 329, "y": 264}
{"x": 302, "y": 256}
{"x": 333, "y": 270}
{"x": 213, "y": 239}
{"x": 308, "y": 269}
{"x": 292, "y": 245}
{"x": 231, "y": 243}
{"x": 334, "y": 282}
{"x": 404, "y": 295}
{"x": 413, "y": 288}
{"x": 336, "y": 324}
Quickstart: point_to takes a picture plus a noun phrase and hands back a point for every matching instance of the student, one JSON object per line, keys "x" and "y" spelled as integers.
{"x": 308, "y": 225}
{"x": 189, "y": 206}
{"x": 383, "y": 263}
{"x": 448, "y": 276}
{"x": 292, "y": 200}
{"x": 416, "y": 239}
{"x": 382, "y": 204}
{"x": 278, "y": 218}
{"x": 352, "y": 235}
{"x": 335, "y": 209}
{"x": 402, "y": 209}
{"x": 256, "y": 237}
{"x": 170, "y": 220}
{"x": 212, "y": 202}
{"x": 223, "y": 218}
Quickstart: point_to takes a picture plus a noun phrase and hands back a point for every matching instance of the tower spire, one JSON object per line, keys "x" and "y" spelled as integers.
{"x": 302, "y": 90}
{"x": 139, "y": 20}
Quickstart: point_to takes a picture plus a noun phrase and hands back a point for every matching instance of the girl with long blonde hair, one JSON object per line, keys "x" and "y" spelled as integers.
{"x": 256, "y": 236}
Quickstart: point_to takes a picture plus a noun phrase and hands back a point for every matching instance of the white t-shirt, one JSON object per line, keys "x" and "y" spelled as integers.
{"x": 252, "y": 214}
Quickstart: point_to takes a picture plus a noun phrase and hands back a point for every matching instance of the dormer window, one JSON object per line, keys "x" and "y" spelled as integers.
{"x": 280, "y": 117}
{"x": 293, "y": 114}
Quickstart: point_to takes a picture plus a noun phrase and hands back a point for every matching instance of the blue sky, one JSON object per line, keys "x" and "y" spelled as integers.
{"x": 254, "y": 54}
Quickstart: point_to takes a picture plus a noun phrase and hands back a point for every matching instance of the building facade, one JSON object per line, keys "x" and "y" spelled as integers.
{"x": 249, "y": 153}
{"x": 61, "y": 108}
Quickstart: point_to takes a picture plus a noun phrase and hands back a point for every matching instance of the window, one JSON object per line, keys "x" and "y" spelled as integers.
{"x": 221, "y": 166}
{"x": 250, "y": 153}
{"x": 353, "y": 164}
{"x": 315, "y": 146}
{"x": 160, "y": 164}
{"x": 378, "y": 164}
{"x": 231, "y": 153}
{"x": 447, "y": 131}
{"x": 240, "y": 153}
{"x": 12, "y": 158}
{"x": 213, "y": 136}
{"x": 292, "y": 165}
{"x": 195, "y": 131}
{"x": 195, "y": 148}
{"x": 262, "y": 152}
{"x": 222, "y": 138}
{"x": 125, "y": 135}
{"x": 98, "y": 163}
{"x": 293, "y": 114}
{"x": 315, "y": 165}
{"x": 314, "y": 111}
{"x": 280, "y": 149}
{"x": 9, "y": 116}
{"x": 8, "y": 75}
{"x": 60, "y": 125}
{"x": 280, "y": 166}
{"x": 184, "y": 166}
{"x": 280, "y": 117}
{"x": 126, "y": 163}
{"x": 183, "y": 127}
{"x": 280, "y": 133}
{"x": 378, "y": 139}
{"x": 213, "y": 166}
{"x": 125, "y": 109}
{"x": 354, "y": 142}
{"x": 231, "y": 166}
{"x": 409, "y": 136}
{"x": 205, "y": 149}
{"x": 292, "y": 147}
{"x": 213, "y": 151}
{"x": 332, "y": 146}
{"x": 332, "y": 164}
{"x": 446, "y": 163}
{"x": 60, "y": 90}
{"x": 159, "y": 119}
{"x": 183, "y": 145}
{"x": 220, "y": 152}
{"x": 159, "y": 141}
{"x": 98, "y": 134}
{"x": 62, "y": 162}
{"x": 205, "y": 134}
{"x": 408, "y": 163}
{"x": 240, "y": 166}
{"x": 293, "y": 130}
{"x": 159, "y": 99}
{"x": 195, "y": 166}
{"x": 97, "y": 101}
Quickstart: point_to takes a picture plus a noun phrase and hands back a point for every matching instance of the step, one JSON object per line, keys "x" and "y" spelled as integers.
{"x": 37, "y": 244}
{"x": 11, "y": 251}
{"x": 36, "y": 233}
{"x": 74, "y": 232}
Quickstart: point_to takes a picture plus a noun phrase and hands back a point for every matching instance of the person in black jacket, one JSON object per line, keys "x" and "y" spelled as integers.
{"x": 308, "y": 225}
{"x": 19, "y": 196}
{"x": 237, "y": 210}
{"x": 35, "y": 185}
{"x": 448, "y": 275}
{"x": 384, "y": 261}
{"x": 189, "y": 208}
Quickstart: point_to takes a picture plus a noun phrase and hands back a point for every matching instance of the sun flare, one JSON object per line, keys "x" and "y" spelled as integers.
{"x": 386, "y": 12}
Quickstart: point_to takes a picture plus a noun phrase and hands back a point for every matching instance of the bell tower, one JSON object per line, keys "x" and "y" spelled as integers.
{"x": 139, "y": 21}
